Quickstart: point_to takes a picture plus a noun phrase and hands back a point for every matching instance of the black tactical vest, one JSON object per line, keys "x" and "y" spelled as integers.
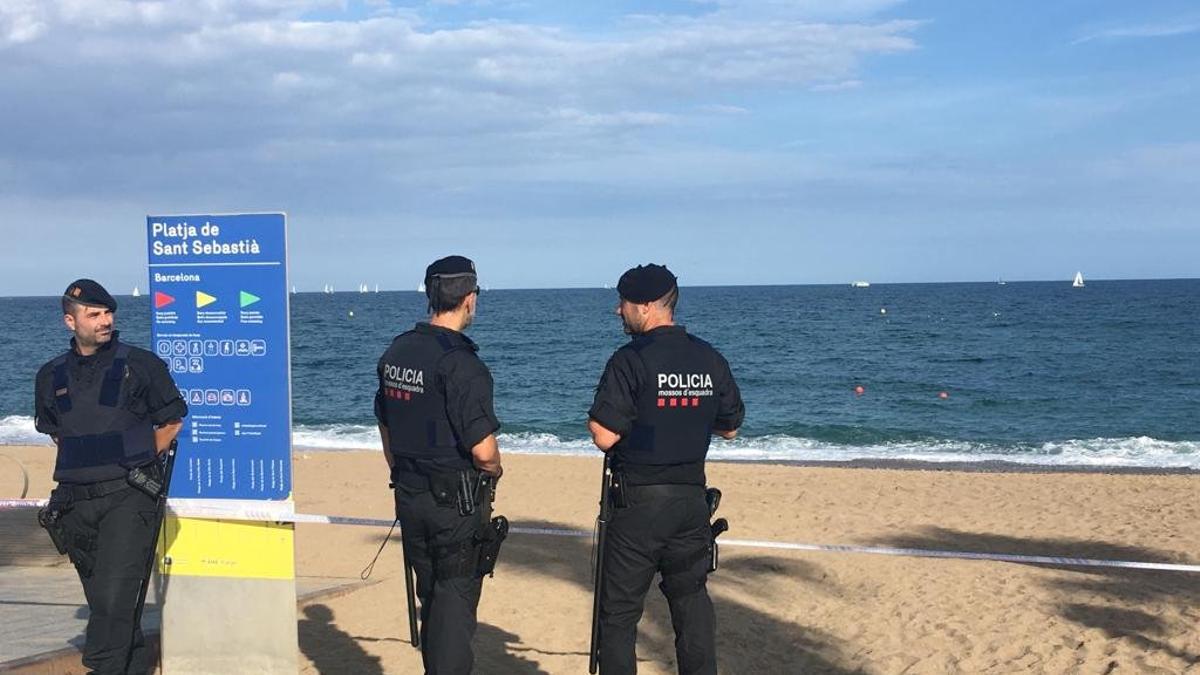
{"x": 98, "y": 437}
{"x": 414, "y": 397}
{"x": 677, "y": 404}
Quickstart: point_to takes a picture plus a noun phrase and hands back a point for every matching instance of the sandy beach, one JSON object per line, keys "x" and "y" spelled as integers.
{"x": 784, "y": 612}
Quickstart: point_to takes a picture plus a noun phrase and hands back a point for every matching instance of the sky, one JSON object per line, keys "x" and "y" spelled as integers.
{"x": 558, "y": 143}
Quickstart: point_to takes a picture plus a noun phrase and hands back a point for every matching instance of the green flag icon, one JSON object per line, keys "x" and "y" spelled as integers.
{"x": 248, "y": 299}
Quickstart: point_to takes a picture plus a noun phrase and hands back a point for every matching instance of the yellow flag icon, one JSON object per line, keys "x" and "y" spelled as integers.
{"x": 204, "y": 299}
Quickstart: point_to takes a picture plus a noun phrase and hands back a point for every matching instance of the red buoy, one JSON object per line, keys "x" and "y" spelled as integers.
{"x": 859, "y": 390}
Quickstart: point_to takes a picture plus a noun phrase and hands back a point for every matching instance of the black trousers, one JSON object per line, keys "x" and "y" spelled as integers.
{"x": 109, "y": 542}
{"x": 448, "y": 605}
{"x": 653, "y": 535}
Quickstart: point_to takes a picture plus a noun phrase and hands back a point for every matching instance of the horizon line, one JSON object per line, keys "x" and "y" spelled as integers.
{"x": 750, "y": 285}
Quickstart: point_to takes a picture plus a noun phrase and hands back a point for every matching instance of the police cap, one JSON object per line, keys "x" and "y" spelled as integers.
{"x": 646, "y": 283}
{"x": 450, "y": 266}
{"x": 90, "y": 294}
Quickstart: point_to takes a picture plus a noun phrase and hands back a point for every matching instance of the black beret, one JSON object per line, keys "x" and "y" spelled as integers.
{"x": 646, "y": 283}
{"x": 89, "y": 293}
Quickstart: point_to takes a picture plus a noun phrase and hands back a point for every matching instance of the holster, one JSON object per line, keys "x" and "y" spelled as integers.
{"x": 477, "y": 555}
{"x": 490, "y": 538}
{"x": 50, "y": 518}
{"x": 78, "y": 543}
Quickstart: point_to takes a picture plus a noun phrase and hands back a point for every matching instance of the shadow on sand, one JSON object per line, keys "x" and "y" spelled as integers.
{"x": 748, "y": 640}
{"x": 1116, "y": 599}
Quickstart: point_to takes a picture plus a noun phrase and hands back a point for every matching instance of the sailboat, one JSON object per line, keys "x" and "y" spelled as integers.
{"x": 421, "y": 288}
{"x": 376, "y": 288}
{"x": 136, "y": 292}
{"x": 328, "y": 288}
{"x": 1078, "y": 283}
{"x": 362, "y": 288}
{"x": 293, "y": 290}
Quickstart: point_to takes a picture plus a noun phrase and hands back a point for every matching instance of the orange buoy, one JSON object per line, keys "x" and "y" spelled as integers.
{"x": 860, "y": 390}
{"x": 943, "y": 395}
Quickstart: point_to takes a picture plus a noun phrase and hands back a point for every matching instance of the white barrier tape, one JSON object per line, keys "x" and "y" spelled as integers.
{"x": 282, "y": 512}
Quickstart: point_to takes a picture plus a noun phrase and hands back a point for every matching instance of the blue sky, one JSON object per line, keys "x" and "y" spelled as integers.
{"x": 557, "y": 143}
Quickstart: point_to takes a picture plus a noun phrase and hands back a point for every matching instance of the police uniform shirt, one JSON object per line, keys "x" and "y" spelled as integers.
{"x": 147, "y": 390}
{"x": 626, "y": 380}
{"x": 462, "y": 376}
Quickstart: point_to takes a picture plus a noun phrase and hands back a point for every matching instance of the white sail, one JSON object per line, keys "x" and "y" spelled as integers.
{"x": 376, "y": 288}
{"x": 421, "y": 288}
{"x": 136, "y": 292}
{"x": 1078, "y": 283}
{"x": 860, "y": 284}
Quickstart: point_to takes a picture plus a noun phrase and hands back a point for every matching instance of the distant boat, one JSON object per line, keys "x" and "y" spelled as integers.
{"x": 421, "y": 287}
{"x": 362, "y": 288}
{"x": 136, "y": 292}
{"x": 860, "y": 284}
{"x": 1001, "y": 283}
{"x": 293, "y": 290}
{"x": 328, "y": 288}
{"x": 1078, "y": 283}
{"x": 376, "y": 288}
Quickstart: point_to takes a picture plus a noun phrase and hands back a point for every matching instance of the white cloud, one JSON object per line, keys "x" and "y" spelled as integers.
{"x": 1161, "y": 30}
{"x": 842, "y": 85}
{"x": 137, "y": 79}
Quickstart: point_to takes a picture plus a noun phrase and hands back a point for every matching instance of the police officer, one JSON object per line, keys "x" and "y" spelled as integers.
{"x": 111, "y": 408}
{"x": 660, "y": 399}
{"x": 434, "y": 406}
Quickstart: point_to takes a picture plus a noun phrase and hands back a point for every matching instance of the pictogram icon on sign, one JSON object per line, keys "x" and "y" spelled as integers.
{"x": 247, "y": 299}
{"x": 162, "y": 299}
{"x": 204, "y": 299}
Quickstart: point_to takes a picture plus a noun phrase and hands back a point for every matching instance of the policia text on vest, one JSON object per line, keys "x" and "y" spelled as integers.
{"x": 659, "y": 401}
{"x": 438, "y": 426}
{"x": 111, "y": 409}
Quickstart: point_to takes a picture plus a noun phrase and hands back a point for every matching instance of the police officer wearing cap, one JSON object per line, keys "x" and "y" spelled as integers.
{"x": 111, "y": 409}
{"x": 434, "y": 407}
{"x": 661, "y": 398}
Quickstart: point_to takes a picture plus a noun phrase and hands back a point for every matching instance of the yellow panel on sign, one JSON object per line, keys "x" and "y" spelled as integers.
{"x": 229, "y": 548}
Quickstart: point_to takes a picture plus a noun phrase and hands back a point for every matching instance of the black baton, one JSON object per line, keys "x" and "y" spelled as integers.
{"x": 159, "y": 513}
{"x": 598, "y": 580}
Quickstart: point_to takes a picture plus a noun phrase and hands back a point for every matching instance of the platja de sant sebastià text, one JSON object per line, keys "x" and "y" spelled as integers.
{"x": 190, "y": 242}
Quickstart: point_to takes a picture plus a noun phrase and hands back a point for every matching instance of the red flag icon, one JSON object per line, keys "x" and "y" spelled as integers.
{"x": 162, "y": 299}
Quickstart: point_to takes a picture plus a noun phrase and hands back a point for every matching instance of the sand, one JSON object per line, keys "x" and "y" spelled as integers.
{"x": 783, "y": 612}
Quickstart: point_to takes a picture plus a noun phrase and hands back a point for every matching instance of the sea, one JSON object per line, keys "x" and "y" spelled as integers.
{"x": 1041, "y": 373}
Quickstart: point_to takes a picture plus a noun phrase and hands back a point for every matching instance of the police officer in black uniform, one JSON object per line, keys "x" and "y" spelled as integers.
{"x": 111, "y": 408}
{"x": 659, "y": 401}
{"x": 434, "y": 406}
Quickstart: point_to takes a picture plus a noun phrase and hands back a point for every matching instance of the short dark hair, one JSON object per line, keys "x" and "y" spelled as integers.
{"x": 70, "y": 306}
{"x": 670, "y": 299}
{"x": 447, "y": 293}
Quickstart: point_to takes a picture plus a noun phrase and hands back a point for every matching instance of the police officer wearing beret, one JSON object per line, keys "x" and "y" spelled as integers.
{"x": 661, "y": 398}
{"x": 111, "y": 409}
{"x": 434, "y": 407}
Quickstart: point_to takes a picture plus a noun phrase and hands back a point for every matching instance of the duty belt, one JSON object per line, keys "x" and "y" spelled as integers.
{"x": 665, "y": 490}
{"x": 94, "y": 490}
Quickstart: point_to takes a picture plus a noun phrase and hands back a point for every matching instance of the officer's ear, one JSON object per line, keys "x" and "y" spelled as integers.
{"x": 69, "y": 320}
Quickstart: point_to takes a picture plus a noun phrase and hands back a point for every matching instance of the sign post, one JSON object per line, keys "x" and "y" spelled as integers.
{"x": 218, "y": 287}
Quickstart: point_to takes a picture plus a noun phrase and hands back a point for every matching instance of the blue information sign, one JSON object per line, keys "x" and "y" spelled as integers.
{"x": 218, "y": 291}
